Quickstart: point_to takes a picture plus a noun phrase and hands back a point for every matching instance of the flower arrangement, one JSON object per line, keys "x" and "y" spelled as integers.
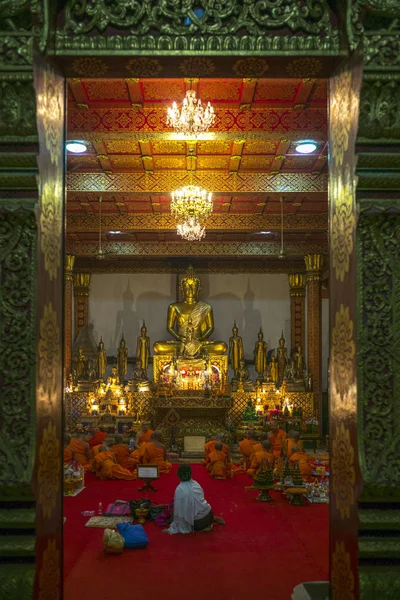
{"x": 82, "y": 428}
{"x": 275, "y": 415}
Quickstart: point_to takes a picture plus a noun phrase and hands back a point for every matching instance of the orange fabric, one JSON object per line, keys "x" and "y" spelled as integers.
{"x": 302, "y": 460}
{"x": 97, "y": 439}
{"x": 79, "y": 450}
{"x": 218, "y": 466}
{"x": 145, "y": 437}
{"x": 67, "y": 454}
{"x": 257, "y": 460}
{"x": 123, "y": 456}
{"x": 108, "y": 469}
{"x": 209, "y": 448}
{"x": 154, "y": 455}
{"x": 288, "y": 445}
{"x": 277, "y": 440}
{"x": 138, "y": 454}
{"x": 246, "y": 447}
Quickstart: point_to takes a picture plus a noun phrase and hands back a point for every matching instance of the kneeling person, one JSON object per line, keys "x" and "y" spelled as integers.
{"x": 191, "y": 510}
{"x": 261, "y": 458}
{"x": 300, "y": 457}
{"x": 155, "y": 453}
{"x": 218, "y": 465}
{"x": 107, "y": 467}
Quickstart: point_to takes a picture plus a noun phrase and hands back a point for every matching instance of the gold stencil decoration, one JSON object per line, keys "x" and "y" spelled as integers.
{"x": 50, "y": 227}
{"x": 89, "y": 67}
{"x": 49, "y": 470}
{"x": 197, "y": 66}
{"x": 49, "y": 577}
{"x": 342, "y": 113}
{"x": 343, "y": 351}
{"x": 304, "y": 67}
{"x": 49, "y": 350}
{"x": 250, "y": 67}
{"x": 343, "y": 225}
{"x": 144, "y": 67}
{"x": 343, "y": 471}
{"x": 50, "y": 109}
{"x": 342, "y": 578}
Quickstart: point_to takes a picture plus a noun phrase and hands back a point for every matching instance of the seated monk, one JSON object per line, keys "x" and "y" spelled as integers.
{"x": 68, "y": 452}
{"x": 219, "y": 467}
{"x": 277, "y": 437}
{"x": 301, "y": 458}
{"x": 261, "y": 458}
{"x": 81, "y": 451}
{"x": 155, "y": 453}
{"x": 258, "y": 447}
{"x": 210, "y": 447}
{"x": 293, "y": 439}
{"x": 123, "y": 454}
{"x": 107, "y": 467}
{"x": 246, "y": 446}
{"x": 142, "y": 437}
{"x": 97, "y": 437}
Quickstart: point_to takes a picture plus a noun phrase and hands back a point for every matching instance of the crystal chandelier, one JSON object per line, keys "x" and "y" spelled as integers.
{"x": 193, "y": 118}
{"x": 191, "y": 206}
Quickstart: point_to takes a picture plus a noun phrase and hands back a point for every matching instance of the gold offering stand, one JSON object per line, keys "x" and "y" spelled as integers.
{"x": 263, "y": 481}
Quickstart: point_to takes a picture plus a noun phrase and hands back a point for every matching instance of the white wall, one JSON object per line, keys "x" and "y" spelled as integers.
{"x": 119, "y": 302}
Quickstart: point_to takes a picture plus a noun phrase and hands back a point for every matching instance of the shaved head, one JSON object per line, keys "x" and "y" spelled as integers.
{"x": 266, "y": 444}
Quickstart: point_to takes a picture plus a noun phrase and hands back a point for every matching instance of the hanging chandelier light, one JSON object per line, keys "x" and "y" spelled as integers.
{"x": 193, "y": 118}
{"x": 282, "y": 254}
{"x": 191, "y": 207}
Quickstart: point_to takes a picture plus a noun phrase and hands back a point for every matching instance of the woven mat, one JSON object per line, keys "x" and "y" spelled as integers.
{"x": 104, "y": 522}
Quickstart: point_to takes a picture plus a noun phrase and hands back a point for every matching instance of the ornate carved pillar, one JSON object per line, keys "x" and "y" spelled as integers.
{"x": 297, "y": 282}
{"x": 81, "y": 301}
{"x": 69, "y": 285}
{"x": 314, "y": 264}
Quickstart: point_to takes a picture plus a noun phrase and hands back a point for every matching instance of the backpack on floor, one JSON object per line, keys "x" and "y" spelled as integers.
{"x": 134, "y": 535}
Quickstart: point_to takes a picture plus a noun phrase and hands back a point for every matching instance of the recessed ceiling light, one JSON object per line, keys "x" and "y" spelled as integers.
{"x": 76, "y": 146}
{"x": 114, "y": 232}
{"x": 265, "y": 232}
{"x": 306, "y": 147}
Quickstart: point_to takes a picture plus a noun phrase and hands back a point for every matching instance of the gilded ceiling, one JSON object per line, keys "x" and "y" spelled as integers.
{"x": 247, "y": 159}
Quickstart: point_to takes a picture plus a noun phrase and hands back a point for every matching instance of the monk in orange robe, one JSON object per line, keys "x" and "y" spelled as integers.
{"x": 258, "y": 447}
{"x": 108, "y": 468}
{"x": 142, "y": 437}
{"x": 81, "y": 451}
{"x": 97, "y": 437}
{"x": 123, "y": 454}
{"x": 277, "y": 437}
{"x": 68, "y": 452}
{"x": 219, "y": 467}
{"x": 293, "y": 439}
{"x": 246, "y": 447}
{"x": 155, "y": 453}
{"x": 301, "y": 458}
{"x": 208, "y": 448}
{"x": 261, "y": 458}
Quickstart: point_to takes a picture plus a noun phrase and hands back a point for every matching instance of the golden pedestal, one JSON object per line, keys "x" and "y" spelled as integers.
{"x": 190, "y": 369}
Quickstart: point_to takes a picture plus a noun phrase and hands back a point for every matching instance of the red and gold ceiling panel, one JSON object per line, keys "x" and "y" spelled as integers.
{"x": 248, "y": 158}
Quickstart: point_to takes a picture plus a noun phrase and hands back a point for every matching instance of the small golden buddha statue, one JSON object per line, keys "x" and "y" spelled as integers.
{"x": 201, "y": 316}
{"x": 143, "y": 348}
{"x": 101, "y": 360}
{"x": 122, "y": 358}
{"x": 282, "y": 358}
{"x": 80, "y": 364}
{"x": 113, "y": 379}
{"x": 235, "y": 348}
{"x": 273, "y": 369}
{"x": 260, "y": 355}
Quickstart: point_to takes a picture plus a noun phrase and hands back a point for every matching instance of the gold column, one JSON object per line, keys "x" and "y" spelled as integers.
{"x": 81, "y": 300}
{"x": 69, "y": 284}
{"x": 297, "y": 282}
{"x": 314, "y": 264}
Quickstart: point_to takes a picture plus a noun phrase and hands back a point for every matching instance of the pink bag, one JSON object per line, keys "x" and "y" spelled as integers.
{"x": 118, "y": 509}
{"x": 166, "y": 516}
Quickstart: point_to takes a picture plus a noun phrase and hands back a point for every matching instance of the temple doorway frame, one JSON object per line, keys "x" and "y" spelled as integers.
{"x": 40, "y": 218}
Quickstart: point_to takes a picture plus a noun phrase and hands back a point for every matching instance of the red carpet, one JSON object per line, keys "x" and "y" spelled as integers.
{"x": 264, "y": 551}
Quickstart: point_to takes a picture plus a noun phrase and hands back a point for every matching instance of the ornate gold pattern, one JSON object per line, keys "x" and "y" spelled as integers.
{"x": 297, "y": 282}
{"x": 50, "y": 109}
{"x": 343, "y": 472}
{"x": 50, "y": 576}
{"x": 49, "y": 350}
{"x": 143, "y": 66}
{"x": 197, "y": 66}
{"x": 314, "y": 263}
{"x": 304, "y": 67}
{"x": 167, "y": 182}
{"x": 342, "y": 230}
{"x": 50, "y": 227}
{"x": 49, "y": 470}
{"x": 342, "y": 578}
{"x": 250, "y": 67}
{"x": 89, "y": 67}
{"x": 344, "y": 104}
{"x": 81, "y": 300}
{"x": 343, "y": 351}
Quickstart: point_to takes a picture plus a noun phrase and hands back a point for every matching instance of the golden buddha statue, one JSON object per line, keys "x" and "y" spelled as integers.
{"x": 235, "y": 348}
{"x": 260, "y": 355}
{"x": 282, "y": 358}
{"x": 101, "y": 360}
{"x": 143, "y": 348}
{"x": 122, "y": 358}
{"x": 201, "y": 326}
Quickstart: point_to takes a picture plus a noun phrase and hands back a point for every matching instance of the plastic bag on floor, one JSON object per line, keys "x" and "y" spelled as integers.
{"x": 113, "y": 542}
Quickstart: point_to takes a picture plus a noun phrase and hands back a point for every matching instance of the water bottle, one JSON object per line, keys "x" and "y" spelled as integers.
{"x": 131, "y": 444}
{"x": 100, "y": 509}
